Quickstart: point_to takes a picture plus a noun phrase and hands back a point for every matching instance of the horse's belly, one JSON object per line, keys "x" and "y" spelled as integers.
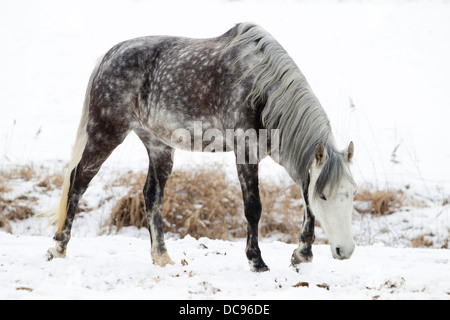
{"x": 188, "y": 134}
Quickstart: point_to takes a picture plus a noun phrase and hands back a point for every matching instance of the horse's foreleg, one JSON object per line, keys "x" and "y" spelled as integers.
{"x": 248, "y": 177}
{"x": 161, "y": 163}
{"x": 304, "y": 251}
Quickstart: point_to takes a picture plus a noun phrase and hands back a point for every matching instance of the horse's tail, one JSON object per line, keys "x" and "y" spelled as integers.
{"x": 60, "y": 212}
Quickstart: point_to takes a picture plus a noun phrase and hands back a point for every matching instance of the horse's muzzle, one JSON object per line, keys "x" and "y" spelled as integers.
{"x": 342, "y": 252}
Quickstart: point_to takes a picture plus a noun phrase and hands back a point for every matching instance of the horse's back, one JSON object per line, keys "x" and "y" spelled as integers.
{"x": 163, "y": 83}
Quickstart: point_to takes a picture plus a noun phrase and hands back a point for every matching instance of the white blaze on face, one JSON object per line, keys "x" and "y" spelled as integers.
{"x": 334, "y": 212}
{"x": 333, "y": 209}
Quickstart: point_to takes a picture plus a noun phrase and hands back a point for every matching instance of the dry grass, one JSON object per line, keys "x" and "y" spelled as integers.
{"x": 4, "y": 183}
{"x": 13, "y": 210}
{"x": 282, "y": 211}
{"x": 205, "y": 204}
{"x": 23, "y": 172}
{"x": 39, "y": 180}
{"x": 201, "y": 203}
{"x": 379, "y": 202}
{"x": 51, "y": 181}
{"x": 421, "y": 242}
{"x": 18, "y": 208}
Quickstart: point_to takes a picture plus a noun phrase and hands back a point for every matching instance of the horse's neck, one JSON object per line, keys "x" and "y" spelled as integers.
{"x": 297, "y": 158}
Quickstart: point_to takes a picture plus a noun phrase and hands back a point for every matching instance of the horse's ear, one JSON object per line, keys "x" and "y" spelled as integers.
{"x": 349, "y": 152}
{"x": 320, "y": 154}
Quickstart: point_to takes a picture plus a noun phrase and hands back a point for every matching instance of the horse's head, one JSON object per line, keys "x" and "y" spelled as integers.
{"x": 330, "y": 194}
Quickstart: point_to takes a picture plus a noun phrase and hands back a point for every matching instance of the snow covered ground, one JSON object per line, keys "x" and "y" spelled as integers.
{"x": 380, "y": 69}
{"x": 118, "y": 267}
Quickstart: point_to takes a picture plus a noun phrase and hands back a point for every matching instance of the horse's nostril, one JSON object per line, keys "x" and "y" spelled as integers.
{"x": 338, "y": 252}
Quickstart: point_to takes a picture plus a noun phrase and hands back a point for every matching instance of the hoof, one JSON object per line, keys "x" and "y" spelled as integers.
{"x": 302, "y": 254}
{"x": 259, "y": 267}
{"x": 54, "y": 253}
{"x": 162, "y": 260}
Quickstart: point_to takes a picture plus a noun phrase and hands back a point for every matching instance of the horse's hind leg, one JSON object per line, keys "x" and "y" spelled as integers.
{"x": 160, "y": 168}
{"x": 97, "y": 150}
{"x": 248, "y": 177}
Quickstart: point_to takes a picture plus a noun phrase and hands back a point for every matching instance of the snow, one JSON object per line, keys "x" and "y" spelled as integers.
{"x": 118, "y": 267}
{"x": 379, "y": 68}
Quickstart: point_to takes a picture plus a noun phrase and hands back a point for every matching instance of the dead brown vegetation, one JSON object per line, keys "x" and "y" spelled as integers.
{"x": 51, "y": 181}
{"x": 23, "y": 172}
{"x": 421, "y": 242}
{"x": 13, "y": 210}
{"x": 202, "y": 203}
{"x": 17, "y": 208}
{"x": 206, "y": 204}
{"x": 4, "y": 183}
{"x": 379, "y": 202}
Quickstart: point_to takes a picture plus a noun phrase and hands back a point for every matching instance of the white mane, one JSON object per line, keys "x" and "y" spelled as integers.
{"x": 289, "y": 105}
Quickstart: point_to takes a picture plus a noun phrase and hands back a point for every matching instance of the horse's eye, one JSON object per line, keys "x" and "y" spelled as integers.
{"x": 322, "y": 196}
